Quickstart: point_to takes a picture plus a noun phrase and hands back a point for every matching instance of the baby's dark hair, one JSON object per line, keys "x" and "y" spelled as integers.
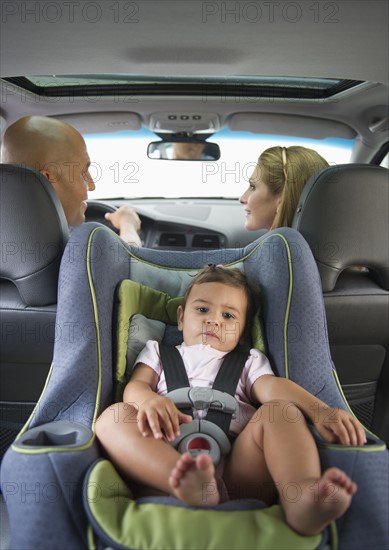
{"x": 232, "y": 277}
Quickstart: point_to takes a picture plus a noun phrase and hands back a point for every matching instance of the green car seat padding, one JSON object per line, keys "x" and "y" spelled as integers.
{"x": 124, "y": 523}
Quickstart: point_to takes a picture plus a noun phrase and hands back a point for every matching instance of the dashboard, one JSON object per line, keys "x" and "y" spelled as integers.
{"x": 183, "y": 224}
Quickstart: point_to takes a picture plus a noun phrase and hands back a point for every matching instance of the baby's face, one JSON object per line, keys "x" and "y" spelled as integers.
{"x": 215, "y": 314}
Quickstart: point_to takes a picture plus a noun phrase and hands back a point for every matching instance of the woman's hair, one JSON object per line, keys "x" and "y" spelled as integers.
{"x": 286, "y": 170}
{"x": 231, "y": 277}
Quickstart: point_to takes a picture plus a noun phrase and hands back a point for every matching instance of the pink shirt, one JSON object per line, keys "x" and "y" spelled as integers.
{"x": 202, "y": 363}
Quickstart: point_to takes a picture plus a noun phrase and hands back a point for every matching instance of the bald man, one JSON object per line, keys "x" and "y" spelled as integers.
{"x": 58, "y": 151}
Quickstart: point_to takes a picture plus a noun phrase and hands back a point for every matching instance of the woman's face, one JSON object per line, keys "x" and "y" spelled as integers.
{"x": 260, "y": 203}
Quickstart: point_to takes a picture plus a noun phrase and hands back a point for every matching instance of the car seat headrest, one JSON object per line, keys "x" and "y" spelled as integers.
{"x": 33, "y": 231}
{"x": 343, "y": 214}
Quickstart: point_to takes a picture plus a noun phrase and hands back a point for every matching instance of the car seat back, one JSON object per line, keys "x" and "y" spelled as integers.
{"x": 343, "y": 215}
{"x": 33, "y": 233}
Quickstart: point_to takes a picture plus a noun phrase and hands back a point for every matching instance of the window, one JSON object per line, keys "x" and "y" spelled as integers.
{"x": 121, "y": 168}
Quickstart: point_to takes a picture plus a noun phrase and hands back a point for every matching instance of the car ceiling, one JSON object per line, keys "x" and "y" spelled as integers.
{"x": 343, "y": 39}
{"x": 173, "y": 37}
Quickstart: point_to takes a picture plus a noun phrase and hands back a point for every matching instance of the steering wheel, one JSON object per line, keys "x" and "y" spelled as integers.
{"x": 96, "y": 213}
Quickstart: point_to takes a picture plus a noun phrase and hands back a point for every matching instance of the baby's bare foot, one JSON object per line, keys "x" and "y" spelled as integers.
{"x": 193, "y": 481}
{"x": 321, "y": 502}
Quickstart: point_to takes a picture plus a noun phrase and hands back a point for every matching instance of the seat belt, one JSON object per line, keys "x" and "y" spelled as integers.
{"x": 175, "y": 372}
{"x": 226, "y": 379}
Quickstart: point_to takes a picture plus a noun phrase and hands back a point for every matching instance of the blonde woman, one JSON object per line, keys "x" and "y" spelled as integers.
{"x": 276, "y": 184}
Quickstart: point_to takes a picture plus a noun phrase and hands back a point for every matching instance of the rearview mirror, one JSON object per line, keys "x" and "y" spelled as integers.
{"x": 183, "y": 150}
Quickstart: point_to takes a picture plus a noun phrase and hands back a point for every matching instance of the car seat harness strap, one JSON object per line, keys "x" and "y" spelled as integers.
{"x": 211, "y": 433}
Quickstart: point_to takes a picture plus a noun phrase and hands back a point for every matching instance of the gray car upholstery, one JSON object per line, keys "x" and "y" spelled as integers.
{"x": 34, "y": 233}
{"x": 343, "y": 214}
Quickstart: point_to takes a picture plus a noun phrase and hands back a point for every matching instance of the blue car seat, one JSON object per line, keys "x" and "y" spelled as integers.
{"x": 61, "y": 492}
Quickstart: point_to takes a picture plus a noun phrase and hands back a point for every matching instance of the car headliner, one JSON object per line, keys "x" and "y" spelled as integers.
{"x": 344, "y": 39}
{"x": 334, "y": 39}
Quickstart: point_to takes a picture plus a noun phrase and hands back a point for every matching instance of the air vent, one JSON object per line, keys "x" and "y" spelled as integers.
{"x": 206, "y": 241}
{"x": 172, "y": 239}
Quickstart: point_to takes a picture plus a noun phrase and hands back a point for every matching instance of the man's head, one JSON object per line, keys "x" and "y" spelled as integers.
{"x": 56, "y": 150}
{"x": 187, "y": 151}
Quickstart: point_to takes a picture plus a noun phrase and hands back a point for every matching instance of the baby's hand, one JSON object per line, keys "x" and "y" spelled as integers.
{"x": 159, "y": 417}
{"x": 338, "y": 426}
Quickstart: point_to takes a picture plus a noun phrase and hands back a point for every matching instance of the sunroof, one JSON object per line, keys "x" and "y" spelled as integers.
{"x": 82, "y": 80}
{"x": 251, "y": 86}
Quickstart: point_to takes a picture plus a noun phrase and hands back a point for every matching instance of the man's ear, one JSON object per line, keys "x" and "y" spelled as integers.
{"x": 180, "y": 317}
{"x": 48, "y": 175}
{"x": 52, "y": 176}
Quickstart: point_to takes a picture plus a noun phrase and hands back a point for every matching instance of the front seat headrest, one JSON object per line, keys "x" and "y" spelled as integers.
{"x": 343, "y": 214}
{"x": 34, "y": 233}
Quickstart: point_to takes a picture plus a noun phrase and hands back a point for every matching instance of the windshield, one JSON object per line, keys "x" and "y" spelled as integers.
{"x": 120, "y": 166}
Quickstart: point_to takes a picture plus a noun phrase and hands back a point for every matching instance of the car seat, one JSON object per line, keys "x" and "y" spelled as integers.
{"x": 343, "y": 213}
{"x": 33, "y": 233}
{"x": 61, "y": 492}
